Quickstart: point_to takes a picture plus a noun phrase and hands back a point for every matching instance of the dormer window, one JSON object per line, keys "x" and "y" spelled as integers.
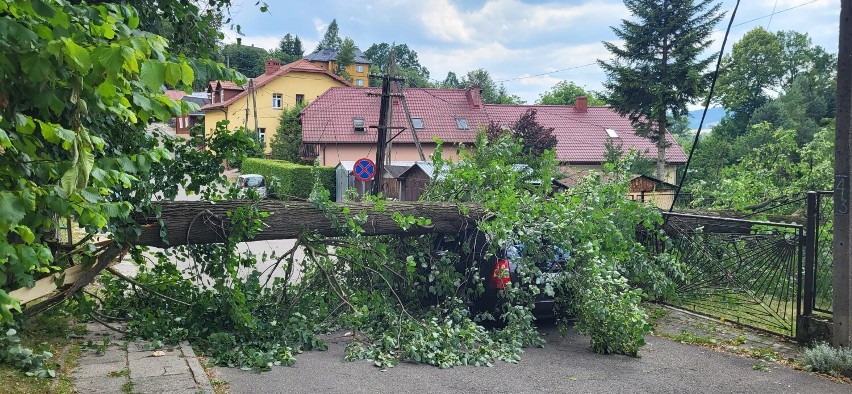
{"x": 359, "y": 125}
{"x": 611, "y": 133}
{"x": 461, "y": 124}
{"x": 418, "y": 123}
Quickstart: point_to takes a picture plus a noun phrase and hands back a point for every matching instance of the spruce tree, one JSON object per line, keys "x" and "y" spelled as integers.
{"x": 331, "y": 39}
{"x": 659, "y": 69}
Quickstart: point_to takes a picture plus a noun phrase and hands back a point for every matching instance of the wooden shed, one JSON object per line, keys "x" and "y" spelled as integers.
{"x": 648, "y": 189}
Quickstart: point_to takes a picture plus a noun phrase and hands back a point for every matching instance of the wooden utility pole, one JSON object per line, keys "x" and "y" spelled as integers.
{"x": 385, "y": 124}
{"x": 841, "y": 278}
{"x": 411, "y": 123}
{"x": 382, "y": 140}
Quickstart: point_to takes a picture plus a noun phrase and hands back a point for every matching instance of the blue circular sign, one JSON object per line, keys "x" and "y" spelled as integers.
{"x": 364, "y": 169}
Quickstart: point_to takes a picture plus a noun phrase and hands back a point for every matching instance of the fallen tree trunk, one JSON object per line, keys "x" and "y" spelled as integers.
{"x": 205, "y": 222}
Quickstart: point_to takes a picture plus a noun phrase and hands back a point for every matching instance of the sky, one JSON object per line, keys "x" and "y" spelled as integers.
{"x": 528, "y": 45}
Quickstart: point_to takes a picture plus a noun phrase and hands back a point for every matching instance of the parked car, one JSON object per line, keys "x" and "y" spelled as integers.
{"x": 499, "y": 270}
{"x": 252, "y": 181}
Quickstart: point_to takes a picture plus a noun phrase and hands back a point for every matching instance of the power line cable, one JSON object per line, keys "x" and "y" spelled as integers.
{"x": 706, "y": 108}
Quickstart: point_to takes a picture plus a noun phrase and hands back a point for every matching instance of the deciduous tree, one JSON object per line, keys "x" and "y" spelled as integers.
{"x": 407, "y": 63}
{"x": 248, "y": 60}
{"x": 565, "y": 93}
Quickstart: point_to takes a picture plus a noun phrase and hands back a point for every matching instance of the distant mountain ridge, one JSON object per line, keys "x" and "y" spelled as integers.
{"x": 714, "y": 115}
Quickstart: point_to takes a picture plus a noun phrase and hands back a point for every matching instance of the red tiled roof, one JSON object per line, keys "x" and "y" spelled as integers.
{"x": 300, "y": 65}
{"x": 581, "y": 135}
{"x": 175, "y": 94}
{"x": 328, "y": 119}
{"x": 227, "y": 85}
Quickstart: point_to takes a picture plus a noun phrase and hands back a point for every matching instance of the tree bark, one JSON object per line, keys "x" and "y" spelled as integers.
{"x": 205, "y": 222}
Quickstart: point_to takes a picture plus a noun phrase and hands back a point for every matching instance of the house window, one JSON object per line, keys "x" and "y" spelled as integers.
{"x": 300, "y": 98}
{"x": 359, "y": 82}
{"x": 359, "y": 125}
{"x": 418, "y": 123}
{"x": 261, "y": 136}
{"x": 611, "y": 133}
{"x": 359, "y": 68}
{"x": 461, "y": 124}
{"x": 276, "y": 100}
{"x": 221, "y": 96}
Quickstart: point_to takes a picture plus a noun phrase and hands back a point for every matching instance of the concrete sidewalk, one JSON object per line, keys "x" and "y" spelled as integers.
{"x": 109, "y": 364}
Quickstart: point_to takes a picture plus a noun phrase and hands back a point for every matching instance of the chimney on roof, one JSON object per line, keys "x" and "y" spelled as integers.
{"x": 272, "y": 65}
{"x": 582, "y": 104}
{"x": 474, "y": 96}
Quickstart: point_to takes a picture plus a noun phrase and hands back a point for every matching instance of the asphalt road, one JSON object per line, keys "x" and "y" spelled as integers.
{"x": 564, "y": 365}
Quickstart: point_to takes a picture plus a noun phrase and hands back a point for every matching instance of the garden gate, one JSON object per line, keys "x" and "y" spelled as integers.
{"x": 743, "y": 271}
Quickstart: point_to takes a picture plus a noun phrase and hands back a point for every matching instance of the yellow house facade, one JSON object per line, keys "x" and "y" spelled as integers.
{"x": 260, "y": 103}
{"x": 359, "y": 70}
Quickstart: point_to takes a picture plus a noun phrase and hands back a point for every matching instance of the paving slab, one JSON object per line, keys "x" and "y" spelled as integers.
{"x": 108, "y": 367}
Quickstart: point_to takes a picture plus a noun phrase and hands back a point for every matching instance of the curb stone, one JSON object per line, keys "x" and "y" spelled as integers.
{"x": 198, "y": 373}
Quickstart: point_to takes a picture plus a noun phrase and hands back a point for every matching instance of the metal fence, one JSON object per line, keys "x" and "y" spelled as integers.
{"x": 743, "y": 271}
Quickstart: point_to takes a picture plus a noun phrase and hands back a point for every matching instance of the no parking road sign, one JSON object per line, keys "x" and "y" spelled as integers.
{"x": 364, "y": 169}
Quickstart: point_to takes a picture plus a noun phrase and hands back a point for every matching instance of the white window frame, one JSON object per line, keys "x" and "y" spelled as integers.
{"x": 422, "y": 123}
{"x": 261, "y": 134}
{"x": 277, "y": 101}
{"x": 461, "y": 124}
{"x": 359, "y": 68}
{"x": 355, "y": 125}
{"x": 359, "y": 82}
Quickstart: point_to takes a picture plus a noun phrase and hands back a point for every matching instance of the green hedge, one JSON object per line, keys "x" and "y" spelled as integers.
{"x": 294, "y": 181}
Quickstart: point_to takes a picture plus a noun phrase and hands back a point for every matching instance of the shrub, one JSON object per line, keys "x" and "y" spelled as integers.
{"x": 826, "y": 359}
{"x": 287, "y": 180}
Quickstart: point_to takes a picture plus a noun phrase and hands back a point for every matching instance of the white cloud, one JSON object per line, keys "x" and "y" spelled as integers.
{"x": 319, "y": 26}
{"x": 444, "y": 22}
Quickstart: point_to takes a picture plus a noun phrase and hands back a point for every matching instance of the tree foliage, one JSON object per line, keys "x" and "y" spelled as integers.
{"x": 408, "y": 66}
{"x": 288, "y": 137}
{"x": 345, "y": 58}
{"x": 763, "y": 65}
{"x": 536, "y": 139}
{"x": 248, "y": 60}
{"x": 566, "y": 93}
{"x": 331, "y": 39}
{"x": 492, "y": 93}
{"x": 73, "y": 133}
{"x": 659, "y": 69}
{"x": 775, "y": 167}
{"x": 290, "y": 48}
{"x": 451, "y": 81}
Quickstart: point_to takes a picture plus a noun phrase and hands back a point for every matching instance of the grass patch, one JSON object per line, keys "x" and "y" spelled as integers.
{"x": 48, "y": 332}
{"x": 127, "y": 387}
{"x": 116, "y": 374}
{"x": 687, "y": 336}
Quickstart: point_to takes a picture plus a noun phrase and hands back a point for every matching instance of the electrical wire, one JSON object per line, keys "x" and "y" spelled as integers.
{"x": 706, "y": 108}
